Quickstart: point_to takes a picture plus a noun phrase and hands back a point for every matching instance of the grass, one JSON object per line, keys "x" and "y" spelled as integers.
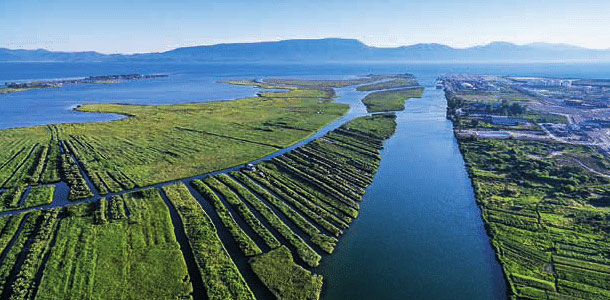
{"x": 158, "y": 143}
{"x": 339, "y": 214}
{"x": 547, "y": 216}
{"x": 10, "y": 198}
{"x": 199, "y": 134}
{"x": 220, "y": 275}
{"x": 281, "y": 203}
{"x": 23, "y": 285}
{"x": 244, "y": 242}
{"x": 135, "y": 257}
{"x": 305, "y": 252}
{"x": 319, "y": 214}
{"x": 28, "y": 230}
{"x": 218, "y": 183}
{"x": 323, "y": 82}
{"x": 400, "y": 82}
{"x": 39, "y": 195}
{"x": 122, "y": 246}
{"x": 6, "y": 90}
{"x": 391, "y": 100}
{"x": 380, "y": 126}
{"x": 284, "y": 278}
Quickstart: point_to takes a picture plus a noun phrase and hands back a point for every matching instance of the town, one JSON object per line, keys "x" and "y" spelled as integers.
{"x": 573, "y": 111}
{"x": 536, "y": 150}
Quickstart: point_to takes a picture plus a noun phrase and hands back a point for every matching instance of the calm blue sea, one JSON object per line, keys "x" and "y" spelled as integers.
{"x": 419, "y": 234}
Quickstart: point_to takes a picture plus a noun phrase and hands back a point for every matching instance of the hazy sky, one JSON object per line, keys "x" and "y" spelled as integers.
{"x": 128, "y": 26}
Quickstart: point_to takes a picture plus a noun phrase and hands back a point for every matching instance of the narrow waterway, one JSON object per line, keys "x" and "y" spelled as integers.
{"x": 419, "y": 234}
{"x": 347, "y": 95}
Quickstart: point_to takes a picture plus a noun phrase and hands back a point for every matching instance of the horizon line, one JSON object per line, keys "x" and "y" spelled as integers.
{"x": 314, "y": 39}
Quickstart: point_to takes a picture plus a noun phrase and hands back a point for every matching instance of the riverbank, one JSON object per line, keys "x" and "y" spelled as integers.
{"x": 544, "y": 212}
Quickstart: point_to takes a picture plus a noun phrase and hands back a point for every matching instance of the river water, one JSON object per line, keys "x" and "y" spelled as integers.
{"x": 419, "y": 234}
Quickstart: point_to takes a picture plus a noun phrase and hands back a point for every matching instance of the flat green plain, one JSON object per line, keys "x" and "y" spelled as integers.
{"x": 390, "y": 100}
{"x": 122, "y": 243}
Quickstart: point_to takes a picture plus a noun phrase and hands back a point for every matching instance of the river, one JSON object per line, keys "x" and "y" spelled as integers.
{"x": 419, "y": 234}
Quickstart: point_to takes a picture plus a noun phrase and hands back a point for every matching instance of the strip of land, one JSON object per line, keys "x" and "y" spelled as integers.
{"x": 245, "y": 231}
{"x": 544, "y": 199}
{"x": 11, "y": 87}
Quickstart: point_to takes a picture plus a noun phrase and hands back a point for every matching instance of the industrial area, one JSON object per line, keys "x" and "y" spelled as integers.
{"x": 566, "y": 110}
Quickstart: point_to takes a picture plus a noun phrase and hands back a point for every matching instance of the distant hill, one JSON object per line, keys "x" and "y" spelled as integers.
{"x": 45, "y": 55}
{"x": 330, "y": 50}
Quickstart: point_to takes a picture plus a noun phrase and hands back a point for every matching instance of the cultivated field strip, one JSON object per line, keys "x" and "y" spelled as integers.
{"x": 220, "y": 275}
{"x": 241, "y": 208}
{"x": 96, "y": 248}
{"x": 294, "y": 217}
{"x": 550, "y": 244}
{"x": 103, "y": 247}
{"x": 250, "y": 233}
{"x": 160, "y": 143}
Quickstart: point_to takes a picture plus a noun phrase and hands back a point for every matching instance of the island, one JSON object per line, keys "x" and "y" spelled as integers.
{"x": 11, "y": 87}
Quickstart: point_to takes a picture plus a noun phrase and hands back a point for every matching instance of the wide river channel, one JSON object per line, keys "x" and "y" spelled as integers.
{"x": 419, "y": 234}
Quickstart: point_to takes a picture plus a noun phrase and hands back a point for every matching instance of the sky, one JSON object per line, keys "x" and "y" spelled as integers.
{"x": 135, "y": 26}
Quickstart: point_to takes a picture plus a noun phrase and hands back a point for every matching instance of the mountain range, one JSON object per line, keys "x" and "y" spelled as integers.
{"x": 329, "y": 50}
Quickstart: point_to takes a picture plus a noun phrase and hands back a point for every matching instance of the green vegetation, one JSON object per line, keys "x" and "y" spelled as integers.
{"x": 325, "y": 242}
{"x": 402, "y": 81}
{"x": 19, "y": 284}
{"x": 391, "y": 100}
{"x": 21, "y": 237}
{"x": 542, "y": 217}
{"x": 546, "y": 212}
{"x": 220, "y": 275}
{"x": 9, "y": 225}
{"x": 11, "y": 197}
{"x": 284, "y": 278}
{"x": 302, "y": 204}
{"x": 122, "y": 246}
{"x": 324, "y": 83}
{"x": 245, "y": 243}
{"x": 39, "y": 195}
{"x": 6, "y": 90}
{"x": 79, "y": 189}
{"x": 305, "y": 252}
{"x": 340, "y": 215}
{"x": 317, "y": 192}
{"x": 62, "y": 253}
{"x": 135, "y": 257}
{"x": 157, "y": 143}
{"x": 242, "y": 209}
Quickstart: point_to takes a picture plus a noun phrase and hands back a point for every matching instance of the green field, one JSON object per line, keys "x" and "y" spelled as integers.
{"x": 546, "y": 214}
{"x": 124, "y": 247}
{"x": 390, "y": 100}
{"x": 281, "y": 217}
{"x": 6, "y": 90}
{"x": 402, "y": 81}
{"x": 81, "y": 256}
{"x": 160, "y": 143}
{"x": 276, "y": 267}
{"x": 221, "y": 277}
